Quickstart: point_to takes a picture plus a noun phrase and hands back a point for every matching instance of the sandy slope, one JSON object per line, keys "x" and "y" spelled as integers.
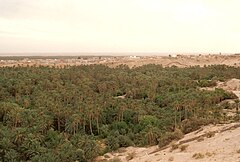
{"x": 213, "y": 143}
{"x": 232, "y": 85}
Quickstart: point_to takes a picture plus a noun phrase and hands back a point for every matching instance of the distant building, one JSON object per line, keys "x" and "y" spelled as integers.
{"x": 173, "y": 56}
{"x": 134, "y": 57}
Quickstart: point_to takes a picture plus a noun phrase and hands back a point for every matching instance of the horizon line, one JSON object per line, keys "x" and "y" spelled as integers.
{"x": 108, "y": 53}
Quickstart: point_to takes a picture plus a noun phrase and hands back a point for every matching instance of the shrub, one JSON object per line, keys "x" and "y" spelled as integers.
{"x": 207, "y": 83}
{"x": 200, "y": 139}
{"x": 174, "y": 146}
{"x": 124, "y": 141}
{"x": 121, "y": 127}
{"x": 112, "y": 143}
{"x": 169, "y": 137}
{"x": 115, "y": 142}
{"x": 183, "y": 147}
{"x": 210, "y": 134}
{"x": 209, "y": 154}
{"x": 198, "y": 156}
{"x": 193, "y": 124}
{"x": 106, "y": 156}
{"x": 130, "y": 156}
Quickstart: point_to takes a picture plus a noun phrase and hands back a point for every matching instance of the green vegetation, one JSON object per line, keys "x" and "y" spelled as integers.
{"x": 75, "y": 113}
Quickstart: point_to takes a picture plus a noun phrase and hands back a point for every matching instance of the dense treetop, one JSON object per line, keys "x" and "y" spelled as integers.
{"x": 77, "y": 113}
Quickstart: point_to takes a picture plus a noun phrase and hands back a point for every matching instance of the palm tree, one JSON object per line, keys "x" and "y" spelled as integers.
{"x": 6, "y": 145}
{"x": 73, "y": 123}
{"x": 177, "y": 107}
{"x": 151, "y": 133}
{"x": 14, "y": 116}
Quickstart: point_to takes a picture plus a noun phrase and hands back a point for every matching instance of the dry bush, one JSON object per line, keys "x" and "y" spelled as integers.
{"x": 200, "y": 139}
{"x": 106, "y": 156}
{"x": 169, "y": 137}
{"x": 193, "y": 124}
{"x": 209, "y": 154}
{"x": 210, "y": 134}
{"x": 183, "y": 147}
{"x": 131, "y": 156}
{"x": 198, "y": 156}
{"x": 174, "y": 146}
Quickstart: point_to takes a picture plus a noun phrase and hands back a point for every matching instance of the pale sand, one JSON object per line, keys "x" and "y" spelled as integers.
{"x": 224, "y": 146}
{"x": 179, "y": 61}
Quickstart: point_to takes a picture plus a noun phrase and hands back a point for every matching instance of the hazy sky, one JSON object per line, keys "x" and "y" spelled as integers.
{"x": 120, "y": 26}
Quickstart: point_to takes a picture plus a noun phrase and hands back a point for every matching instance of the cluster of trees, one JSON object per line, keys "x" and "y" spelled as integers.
{"x": 80, "y": 112}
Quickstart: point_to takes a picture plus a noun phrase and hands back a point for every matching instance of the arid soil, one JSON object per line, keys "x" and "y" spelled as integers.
{"x": 232, "y": 85}
{"x": 181, "y": 61}
{"x": 131, "y": 61}
{"x": 213, "y": 143}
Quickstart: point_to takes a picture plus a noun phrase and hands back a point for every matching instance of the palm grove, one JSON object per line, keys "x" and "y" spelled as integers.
{"x": 80, "y": 112}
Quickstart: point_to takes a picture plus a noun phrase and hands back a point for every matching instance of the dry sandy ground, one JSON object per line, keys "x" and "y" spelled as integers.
{"x": 180, "y": 61}
{"x": 213, "y": 143}
{"x": 232, "y": 85}
{"x": 165, "y": 61}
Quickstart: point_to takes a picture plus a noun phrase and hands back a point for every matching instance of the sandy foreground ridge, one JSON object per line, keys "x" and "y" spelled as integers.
{"x": 213, "y": 143}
